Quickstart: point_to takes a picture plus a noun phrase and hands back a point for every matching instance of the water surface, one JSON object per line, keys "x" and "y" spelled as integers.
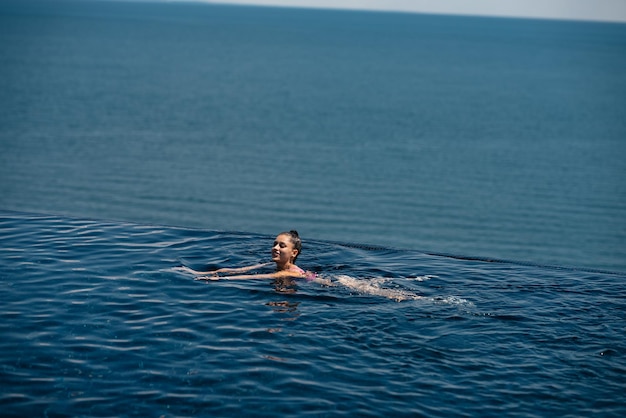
{"x": 96, "y": 321}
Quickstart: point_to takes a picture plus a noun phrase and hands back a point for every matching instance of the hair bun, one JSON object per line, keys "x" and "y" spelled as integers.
{"x": 294, "y": 233}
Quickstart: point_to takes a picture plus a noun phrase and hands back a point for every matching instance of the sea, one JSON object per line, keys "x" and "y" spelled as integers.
{"x": 459, "y": 184}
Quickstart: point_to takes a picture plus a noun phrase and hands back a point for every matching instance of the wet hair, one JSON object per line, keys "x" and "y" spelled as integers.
{"x": 295, "y": 240}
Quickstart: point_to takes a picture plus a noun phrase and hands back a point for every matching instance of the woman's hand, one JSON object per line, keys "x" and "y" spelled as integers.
{"x": 207, "y": 278}
{"x": 202, "y": 275}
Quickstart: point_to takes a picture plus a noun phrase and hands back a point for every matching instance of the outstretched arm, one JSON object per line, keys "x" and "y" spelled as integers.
{"x": 276, "y": 275}
{"x": 223, "y": 270}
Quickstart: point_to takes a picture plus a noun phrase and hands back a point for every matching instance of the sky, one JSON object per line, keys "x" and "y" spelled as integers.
{"x": 596, "y": 10}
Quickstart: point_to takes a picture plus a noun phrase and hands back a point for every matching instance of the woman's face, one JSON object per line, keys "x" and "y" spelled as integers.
{"x": 283, "y": 251}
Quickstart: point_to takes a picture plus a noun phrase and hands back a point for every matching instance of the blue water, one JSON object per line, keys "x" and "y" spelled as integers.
{"x": 96, "y": 321}
{"x": 458, "y": 183}
{"x": 495, "y": 138}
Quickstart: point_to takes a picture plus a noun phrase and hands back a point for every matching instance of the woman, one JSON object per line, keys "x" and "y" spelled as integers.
{"x": 286, "y": 249}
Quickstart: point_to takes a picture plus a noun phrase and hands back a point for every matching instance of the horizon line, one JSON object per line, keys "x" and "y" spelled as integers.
{"x": 619, "y": 18}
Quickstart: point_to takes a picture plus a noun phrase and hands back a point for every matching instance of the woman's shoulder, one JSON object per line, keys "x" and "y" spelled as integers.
{"x": 296, "y": 269}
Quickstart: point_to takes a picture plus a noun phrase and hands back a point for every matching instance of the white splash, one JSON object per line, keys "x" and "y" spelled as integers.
{"x": 452, "y": 300}
{"x": 422, "y": 278}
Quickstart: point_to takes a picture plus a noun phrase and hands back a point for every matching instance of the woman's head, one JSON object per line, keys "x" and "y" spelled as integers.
{"x": 287, "y": 247}
{"x": 295, "y": 240}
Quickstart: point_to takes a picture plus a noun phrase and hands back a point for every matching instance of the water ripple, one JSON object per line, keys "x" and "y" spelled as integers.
{"x": 96, "y": 322}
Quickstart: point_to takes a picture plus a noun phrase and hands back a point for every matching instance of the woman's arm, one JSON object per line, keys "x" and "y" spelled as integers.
{"x": 276, "y": 275}
{"x": 224, "y": 270}
{"x": 240, "y": 269}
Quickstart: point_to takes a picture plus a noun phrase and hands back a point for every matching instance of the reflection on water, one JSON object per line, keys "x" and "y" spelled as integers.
{"x": 286, "y": 307}
{"x": 285, "y": 285}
